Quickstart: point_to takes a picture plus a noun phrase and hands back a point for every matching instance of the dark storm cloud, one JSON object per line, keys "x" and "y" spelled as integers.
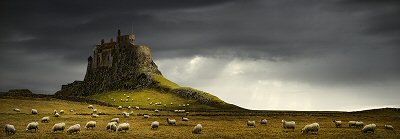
{"x": 346, "y": 41}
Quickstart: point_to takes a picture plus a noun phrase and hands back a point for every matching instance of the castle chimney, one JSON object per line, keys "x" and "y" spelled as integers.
{"x": 102, "y": 41}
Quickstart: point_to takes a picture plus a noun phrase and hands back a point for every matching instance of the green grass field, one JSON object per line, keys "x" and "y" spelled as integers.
{"x": 215, "y": 124}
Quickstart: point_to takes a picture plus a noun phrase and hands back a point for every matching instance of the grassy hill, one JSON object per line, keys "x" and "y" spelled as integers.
{"x": 167, "y": 94}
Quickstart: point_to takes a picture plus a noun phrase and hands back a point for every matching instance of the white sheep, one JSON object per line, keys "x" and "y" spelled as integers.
{"x": 313, "y": 128}
{"x": 146, "y": 116}
{"x": 90, "y": 107}
{"x": 34, "y": 111}
{"x": 74, "y": 129}
{"x": 123, "y": 127}
{"x": 127, "y": 96}
{"x": 155, "y": 125}
{"x": 390, "y": 127}
{"x": 95, "y": 115}
{"x": 119, "y": 107}
{"x": 56, "y": 115}
{"x": 115, "y": 120}
{"x": 10, "y": 129}
{"x": 171, "y": 121}
{"x": 156, "y": 110}
{"x": 197, "y": 129}
{"x": 94, "y": 111}
{"x": 369, "y": 128}
{"x": 90, "y": 125}
{"x": 148, "y": 99}
{"x": 359, "y": 124}
{"x": 17, "y": 110}
{"x": 61, "y": 112}
{"x": 172, "y": 103}
{"x": 337, "y": 123}
{"x": 289, "y": 124}
{"x": 129, "y": 107}
{"x": 263, "y": 121}
{"x": 251, "y": 123}
{"x": 45, "y": 119}
{"x": 185, "y": 119}
{"x": 71, "y": 110}
{"x": 352, "y": 123}
{"x": 58, "y": 127}
{"x": 125, "y": 114}
{"x": 32, "y": 125}
{"x": 112, "y": 126}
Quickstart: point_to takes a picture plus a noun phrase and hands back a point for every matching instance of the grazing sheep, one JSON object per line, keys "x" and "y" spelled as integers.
{"x": 390, "y": 127}
{"x": 112, "y": 126}
{"x": 61, "y": 111}
{"x": 115, "y": 120}
{"x": 148, "y": 98}
{"x": 95, "y": 115}
{"x": 251, "y": 123}
{"x": 289, "y": 124}
{"x": 90, "y": 125}
{"x": 34, "y": 111}
{"x": 185, "y": 119}
{"x": 71, "y": 110}
{"x": 32, "y": 125}
{"x": 369, "y": 128}
{"x": 156, "y": 110}
{"x": 123, "y": 127}
{"x": 313, "y": 128}
{"x": 58, "y": 127}
{"x": 119, "y": 107}
{"x": 352, "y": 123}
{"x": 146, "y": 116}
{"x": 187, "y": 104}
{"x": 10, "y": 129}
{"x": 56, "y": 115}
{"x": 127, "y": 96}
{"x": 94, "y": 111}
{"x": 172, "y": 103}
{"x": 74, "y": 129}
{"x": 90, "y": 107}
{"x": 154, "y": 125}
{"x": 359, "y": 124}
{"x": 263, "y": 121}
{"x": 129, "y": 107}
{"x": 171, "y": 121}
{"x": 45, "y": 119}
{"x": 197, "y": 129}
{"x": 337, "y": 123}
{"x": 125, "y": 114}
{"x": 17, "y": 110}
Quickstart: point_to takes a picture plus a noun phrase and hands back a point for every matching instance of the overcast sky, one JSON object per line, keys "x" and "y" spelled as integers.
{"x": 258, "y": 54}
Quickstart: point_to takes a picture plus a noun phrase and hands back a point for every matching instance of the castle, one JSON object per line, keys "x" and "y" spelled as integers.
{"x": 115, "y": 65}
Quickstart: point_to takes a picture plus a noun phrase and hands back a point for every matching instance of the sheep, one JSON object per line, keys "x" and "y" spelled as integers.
{"x": 34, "y": 111}
{"x": 171, "y": 121}
{"x": 74, "y": 129}
{"x": 127, "y": 96}
{"x": 17, "y": 110}
{"x": 156, "y": 110}
{"x": 359, "y": 124}
{"x": 71, "y": 110}
{"x": 352, "y": 123}
{"x": 112, "y": 126}
{"x": 289, "y": 124}
{"x": 390, "y": 127}
{"x": 10, "y": 129}
{"x": 90, "y": 125}
{"x": 263, "y": 121}
{"x": 337, "y": 123}
{"x": 45, "y": 119}
{"x": 119, "y": 107}
{"x": 56, "y": 115}
{"x": 146, "y": 116}
{"x": 183, "y": 105}
{"x": 58, "y": 127}
{"x": 148, "y": 99}
{"x": 369, "y": 128}
{"x": 172, "y": 103}
{"x": 313, "y": 128}
{"x": 115, "y": 120}
{"x": 32, "y": 125}
{"x": 61, "y": 111}
{"x": 125, "y": 114}
{"x": 129, "y": 107}
{"x": 94, "y": 111}
{"x": 185, "y": 119}
{"x": 90, "y": 107}
{"x": 123, "y": 127}
{"x": 197, "y": 129}
{"x": 154, "y": 125}
{"x": 55, "y": 111}
{"x": 187, "y": 104}
{"x": 187, "y": 113}
{"x": 95, "y": 115}
{"x": 251, "y": 123}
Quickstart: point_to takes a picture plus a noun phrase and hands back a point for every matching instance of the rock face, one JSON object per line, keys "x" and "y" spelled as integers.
{"x": 113, "y": 66}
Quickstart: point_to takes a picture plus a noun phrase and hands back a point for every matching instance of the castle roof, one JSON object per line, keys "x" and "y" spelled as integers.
{"x": 109, "y": 45}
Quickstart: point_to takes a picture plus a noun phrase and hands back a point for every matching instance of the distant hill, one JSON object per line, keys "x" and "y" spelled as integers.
{"x": 123, "y": 67}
